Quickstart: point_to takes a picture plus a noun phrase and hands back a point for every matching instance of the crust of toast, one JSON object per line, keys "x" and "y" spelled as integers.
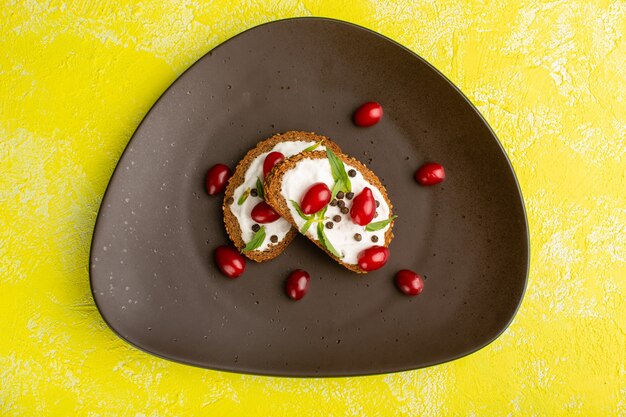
{"x": 230, "y": 221}
{"x": 274, "y": 197}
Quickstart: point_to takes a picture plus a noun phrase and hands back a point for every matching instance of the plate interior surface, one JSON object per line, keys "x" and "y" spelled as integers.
{"x": 152, "y": 273}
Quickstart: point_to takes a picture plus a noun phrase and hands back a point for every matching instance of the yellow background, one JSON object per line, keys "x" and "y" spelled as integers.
{"x": 77, "y": 77}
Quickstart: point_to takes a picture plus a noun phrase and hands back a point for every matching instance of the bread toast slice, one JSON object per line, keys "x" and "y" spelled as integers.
{"x": 245, "y": 190}
{"x": 287, "y": 183}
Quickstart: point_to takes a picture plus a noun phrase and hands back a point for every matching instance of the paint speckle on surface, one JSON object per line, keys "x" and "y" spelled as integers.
{"x": 76, "y": 78}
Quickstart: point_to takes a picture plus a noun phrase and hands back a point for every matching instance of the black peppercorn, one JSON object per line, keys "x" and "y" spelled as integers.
{"x": 357, "y": 237}
{"x": 374, "y": 238}
{"x": 352, "y": 173}
{"x": 336, "y": 218}
{"x": 329, "y": 225}
{"x": 274, "y": 239}
{"x": 344, "y": 210}
{"x": 253, "y": 192}
{"x": 255, "y": 227}
{"x": 340, "y": 195}
{"x": 349, "y": 195}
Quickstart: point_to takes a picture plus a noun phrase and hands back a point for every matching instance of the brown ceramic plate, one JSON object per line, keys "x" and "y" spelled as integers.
{"x": 152, "y": 273}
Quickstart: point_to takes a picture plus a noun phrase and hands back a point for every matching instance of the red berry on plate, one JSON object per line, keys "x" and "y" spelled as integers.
{"x": 229, "y": 261}
{"x": 272, "y": 159}
{"x": 368, "y": 114}
{"x": 373, "y": 258}
{"x": 217, "y": 179}
{"x": 430, "y": 173}
{"x": 315, "y": 199}
{"x": 264, "y": 213}
{"x": 297, "y": 284}
{"x": 363, "y": 207}
{"x": 409, "y": 282}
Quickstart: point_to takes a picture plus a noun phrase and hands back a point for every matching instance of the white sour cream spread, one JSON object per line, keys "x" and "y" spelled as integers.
{"x": 307, "y": 172}
{"x": 280, "y": 227}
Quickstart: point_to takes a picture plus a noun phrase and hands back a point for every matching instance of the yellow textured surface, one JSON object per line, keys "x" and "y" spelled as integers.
{"x": 77, "y": 77}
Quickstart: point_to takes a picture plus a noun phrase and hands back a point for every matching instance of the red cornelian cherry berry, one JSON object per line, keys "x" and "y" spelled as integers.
{"x": 217, "y": 179}
{"x": 272, "y": 159}
{"x": 430, "y": 173}
{"x": 297, "y": 284}
{"x": 368, "y": 114}
{"x": 229, "y": 261}
{"x": 409, "y": 282}
{"x": 363, "y": 207}
{"x": 264, "y": 213}
{"x": 373, "y": 258}
{"x": 315, "y": 199}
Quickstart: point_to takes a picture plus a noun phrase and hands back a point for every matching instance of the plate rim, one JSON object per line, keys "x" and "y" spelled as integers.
{"x": 282, "y": 372}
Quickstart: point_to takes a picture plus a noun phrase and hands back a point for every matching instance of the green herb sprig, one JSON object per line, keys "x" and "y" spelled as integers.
{"x": 243, "y": 197}
{"x": 259, "y": 189}
{"x": 338, "y": 171}
{"x": 309, "y": 218}
{"x": 256, "y": 241}
{"x": 321, "y": 235}
{"x": 312, "y": 147}
{"x": 372, "y": 227}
